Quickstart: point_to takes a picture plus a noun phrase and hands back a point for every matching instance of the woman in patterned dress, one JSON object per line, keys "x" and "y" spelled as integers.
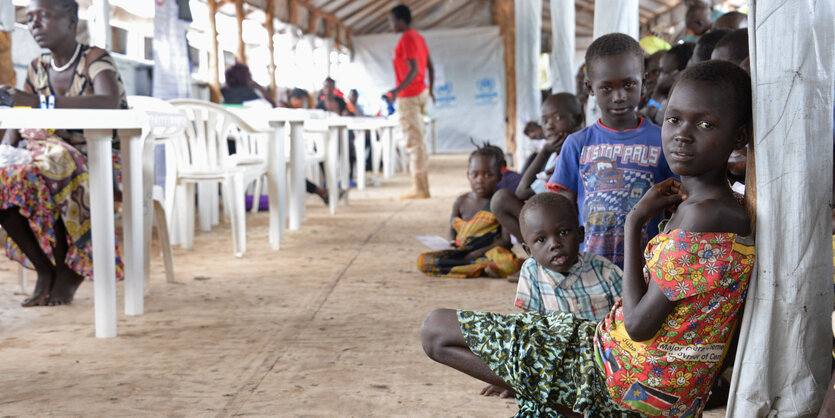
{"x": 44, "y": 205}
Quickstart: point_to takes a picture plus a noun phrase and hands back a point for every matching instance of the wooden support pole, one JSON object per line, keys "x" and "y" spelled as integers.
{"x": 504, "y": 16}
{"x": 214, "y": 79}
{"x": 312, "y": 21}
{"x": 293, "y": 12}
{"x": 328, "y": 28}
{"x": 271, "y": 46}
{"x": 338, "y": 36}
{"x": 240, "y": 56}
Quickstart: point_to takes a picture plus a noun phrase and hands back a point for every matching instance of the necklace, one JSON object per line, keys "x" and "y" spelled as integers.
{"x": 67, "y": 65}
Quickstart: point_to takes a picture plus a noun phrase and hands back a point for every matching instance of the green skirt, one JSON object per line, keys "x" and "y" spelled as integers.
{"x": 548, "y": 360}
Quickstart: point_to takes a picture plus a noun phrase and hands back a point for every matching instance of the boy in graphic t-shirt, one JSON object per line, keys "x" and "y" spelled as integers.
{"x": 608, "y": 166}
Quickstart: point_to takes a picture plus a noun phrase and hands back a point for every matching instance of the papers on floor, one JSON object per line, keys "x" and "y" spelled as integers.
{"x": 10, "y": 155}
{"x": 738, "y": 187}
{"x": 434, "y": 242}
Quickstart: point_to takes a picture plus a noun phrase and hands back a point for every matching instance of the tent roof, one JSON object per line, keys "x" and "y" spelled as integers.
{"x": 369, "y": 16}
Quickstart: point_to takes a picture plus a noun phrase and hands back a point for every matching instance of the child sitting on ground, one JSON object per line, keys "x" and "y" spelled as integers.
{"x": 557, "y": 276}
{"x": 481, "y": 246}
{"x": 661, "y": 346}
{"x": 608, "y": 166}
{"x": 562, "y": 115}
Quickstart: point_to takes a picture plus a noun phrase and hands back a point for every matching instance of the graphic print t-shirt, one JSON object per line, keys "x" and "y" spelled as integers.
{"x": 610, "y": 171}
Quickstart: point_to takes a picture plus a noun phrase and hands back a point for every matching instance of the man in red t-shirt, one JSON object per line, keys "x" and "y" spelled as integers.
{"x": 411, "y": 60}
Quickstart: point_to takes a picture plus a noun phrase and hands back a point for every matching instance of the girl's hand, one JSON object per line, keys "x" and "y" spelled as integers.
{"x": 21, "y": 98}
{"x": 664, "y": 195}
{"x": 493, "y": 390}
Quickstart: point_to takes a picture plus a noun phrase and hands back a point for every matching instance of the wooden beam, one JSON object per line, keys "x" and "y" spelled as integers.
{"x": 214, "y": 79}
{"x": 378, "y": 14}
{"x": 418, "y": 13}
{"x": 312, "y": 21}
{"x": 270, "y": 15}
{"x": 504, "y": 15}
{"x": 329, "y": 28}
{"x": 316, "y": 14}
{"x": 333, "y": 6}
{"x": 448, "y": 15}
{"x": 293, "y": 12}
{"x": 240, "y": 56}
{"x": 363, "y": 12}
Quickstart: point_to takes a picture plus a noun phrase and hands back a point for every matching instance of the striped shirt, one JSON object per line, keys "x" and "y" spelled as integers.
{"x": 588, "y": 290}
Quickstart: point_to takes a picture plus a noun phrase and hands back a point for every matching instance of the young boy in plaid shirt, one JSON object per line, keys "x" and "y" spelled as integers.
{"x": 557, "y": 276}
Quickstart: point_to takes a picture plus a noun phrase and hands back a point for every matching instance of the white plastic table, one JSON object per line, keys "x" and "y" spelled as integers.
{"x": 371, "y": 125}
{"x": 134, "y": 127}
{"x": 275, "y": 121}
{"x": 334, "y": 129}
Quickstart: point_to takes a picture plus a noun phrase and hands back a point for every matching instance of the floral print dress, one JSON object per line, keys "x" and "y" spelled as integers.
{"x": 55, "y": 184}
{"x": 671, "y": 374}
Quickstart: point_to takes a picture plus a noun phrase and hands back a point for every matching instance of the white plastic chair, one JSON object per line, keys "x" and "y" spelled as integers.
{"x": 203, "y": 157}
{"x": 162, "y": 219}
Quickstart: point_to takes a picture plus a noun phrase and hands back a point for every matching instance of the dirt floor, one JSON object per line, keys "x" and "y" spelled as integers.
{"x": 327, "y": 326}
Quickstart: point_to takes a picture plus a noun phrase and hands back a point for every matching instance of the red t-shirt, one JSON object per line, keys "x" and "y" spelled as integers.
{"x": 411, "y": 45}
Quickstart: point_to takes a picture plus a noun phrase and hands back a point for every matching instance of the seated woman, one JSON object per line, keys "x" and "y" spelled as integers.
{"x": 481, "y": 247}
{"x": 44, "y": 205}
{"x": 299, "y": 99}
{"x": 240, "y": 87}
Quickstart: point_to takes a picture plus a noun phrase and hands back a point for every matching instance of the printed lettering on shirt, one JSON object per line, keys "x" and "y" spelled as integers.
{"x": 611, "y": 191}
{"x": 637, "y": 154}
{"x": 711, "y": 353}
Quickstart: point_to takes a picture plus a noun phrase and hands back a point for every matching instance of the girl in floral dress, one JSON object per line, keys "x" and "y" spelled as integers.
{"x": 662, "y": 345}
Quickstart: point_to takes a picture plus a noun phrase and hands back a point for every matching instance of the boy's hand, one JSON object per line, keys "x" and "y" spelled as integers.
{"x": 664, "y": 195}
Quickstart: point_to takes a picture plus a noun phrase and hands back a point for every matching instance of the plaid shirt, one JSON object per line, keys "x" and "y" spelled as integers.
{"x": 588, "y": 290}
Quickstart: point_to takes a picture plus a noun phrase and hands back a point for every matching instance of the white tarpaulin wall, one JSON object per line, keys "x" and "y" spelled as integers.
{"x": 563, "y": 37}
{"x": 782, "y": 364}
{"x": 528, "y": 47}
{"x": 469, "y": 82}
{"x": 616, "y": 16}
{"x": 172, "y": 74}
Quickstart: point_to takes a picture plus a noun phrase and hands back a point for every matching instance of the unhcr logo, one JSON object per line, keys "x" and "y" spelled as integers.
{"x": 444, "y": 97}
{"x": 486, "y": 94}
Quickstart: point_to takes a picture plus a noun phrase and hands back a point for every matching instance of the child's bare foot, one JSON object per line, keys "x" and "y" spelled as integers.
{"x": 40, "y": 295}
{"x": 493, "y": 390}
{"x": 490, "y": 272}
{"x": 66, "y": 283}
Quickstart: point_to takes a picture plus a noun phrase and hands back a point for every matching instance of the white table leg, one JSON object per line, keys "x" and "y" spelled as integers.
{"x": 148, "y": 213}
{"x": 359, "y": 146}
{"x": 133, "y": 220}
{"x": 345, "y": 162}
{"x": 331, "y": 167}
{"x": 389, "y": 153}
{"x": 277, "y": 184}
{"x": 385, "y": 145}
{"x": 376, "y": 152}
{"x": 100, "y": 168}
{"x": 297, "y": 189}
